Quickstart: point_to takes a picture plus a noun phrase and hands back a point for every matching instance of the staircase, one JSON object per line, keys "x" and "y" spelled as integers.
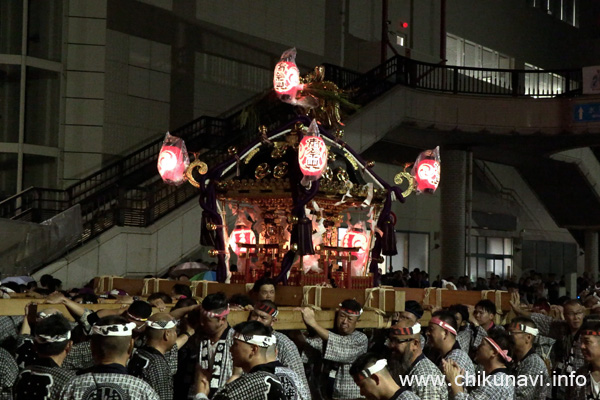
{"x": 130, "y": 193}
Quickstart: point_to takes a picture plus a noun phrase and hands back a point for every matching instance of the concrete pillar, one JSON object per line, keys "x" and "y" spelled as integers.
{"x": 336, "y": 29}
{"x": 571, "y": 284}
{"x": 453, "y": 210}
{"x": 591, "y": 254}
{"x": 182, "y": 67}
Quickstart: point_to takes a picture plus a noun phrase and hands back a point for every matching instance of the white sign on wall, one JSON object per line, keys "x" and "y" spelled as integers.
{"x": 591, "y": 79}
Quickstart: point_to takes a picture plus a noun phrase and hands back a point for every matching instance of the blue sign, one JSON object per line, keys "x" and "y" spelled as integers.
{"x": 589, "y": 112}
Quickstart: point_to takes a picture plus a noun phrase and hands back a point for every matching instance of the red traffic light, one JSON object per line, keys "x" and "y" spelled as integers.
{"x": 403, "y": 25}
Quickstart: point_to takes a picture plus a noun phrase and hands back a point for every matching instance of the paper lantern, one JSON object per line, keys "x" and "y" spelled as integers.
{"x": 171, "y": 164}
{"x": 428, "y": 175}
{"x": 312, "y": 156}
{"x": 241, "y": 234}
{"x": 356, "y": 238}
{"x": 286, "y": 78}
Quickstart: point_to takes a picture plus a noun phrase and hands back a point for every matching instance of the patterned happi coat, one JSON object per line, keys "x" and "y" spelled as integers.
{"x": 424, "y": 367}
{"x": 222, "y": 363}
{"x": 566, "y": 352}
{"x": 288, "y": 354}
{"x": 107, "y": 382}
{"x": 151, "y": 365}
{"x": 43, "y": 379}
{"x": 340, "y": 352}
{"x": 460, "y": 357}
{"x": 8, "y": 374}
{"x": 255, "y": 385}
{"x": 535, "y": 370}
{"x": 488, "y": 390}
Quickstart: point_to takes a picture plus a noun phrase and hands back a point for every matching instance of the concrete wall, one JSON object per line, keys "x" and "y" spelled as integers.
{"x": 132, "y": 252}
{"x": 119, "y": 92}
{"x": 125, "y": 83}
{"x": 84, "y": 98}
{"x": 510, "y": 27}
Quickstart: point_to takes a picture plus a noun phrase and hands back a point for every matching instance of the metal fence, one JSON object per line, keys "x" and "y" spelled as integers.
{"x": 129, "y": 192}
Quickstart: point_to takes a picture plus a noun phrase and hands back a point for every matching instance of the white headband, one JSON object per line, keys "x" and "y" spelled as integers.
{"x": 259, "y": 340}
{"x": 527, "y": 329}
{"x": 162, "y": 325}
{"x": 43, "y": 315}
{"x": 53, "y": 339}
{"x": 373, "y": 369}
{"x": 114, "y": 330}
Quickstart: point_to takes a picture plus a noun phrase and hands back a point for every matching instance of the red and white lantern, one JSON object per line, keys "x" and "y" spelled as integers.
{"x": 426, "y": 171}
{"x": 428, "y": 175}
{"x": 357, "y": 238}
{"x": 286, "y": 78}
{"x": 312, "y": 156}
{"x": 241, "y": 234}
{"x": 173, "y": 160}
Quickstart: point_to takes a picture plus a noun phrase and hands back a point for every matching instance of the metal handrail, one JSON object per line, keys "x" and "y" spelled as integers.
{"x": 400, "y": 70}
{"x": 114, "y": 195}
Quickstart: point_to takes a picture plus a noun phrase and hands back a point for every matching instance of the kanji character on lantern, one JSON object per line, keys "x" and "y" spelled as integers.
{"x": 286, "y": 77}
{"x": 312, "y": 154}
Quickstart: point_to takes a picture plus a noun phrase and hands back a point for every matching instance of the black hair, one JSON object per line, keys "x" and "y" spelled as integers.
{"x": 460, "y": 309}
{"x": 54, "y": 325}
{"x": 55, "y": 285}
{"x": 543, "y": 304}
{"x": 185, "y": 303}
{"x": 14, "y": 286}
{"x": 214, "y": 301}
{"x": 362, "y": 362}
{"x": 267, "y": 303}
{"x": 45, "y": 280}
{"x": 241, "y": 300}
{"x": 487, "y": 305}
{"x": 414, "y": 307}
{"x": 194, "y": 317}
{"x": 590, "y": 325}
{"x": 183, "y": 290}
{"x": 502, "y": 339}
{"x": 261, "y": 282}
{"x": 253, "y": 328}
{"x": 86, "y": 298}
{"x": 446, "y": 316}
{"x": 162, "y": 296}
{"x": 572, "y": 302}
{"x": 140, "y": 309}
{"x": 110, "y": 346}
{"x": 562, "y": 300}
{"x": 351, "y": 304}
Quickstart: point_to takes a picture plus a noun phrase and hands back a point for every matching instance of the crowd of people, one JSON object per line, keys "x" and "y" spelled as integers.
{"x": 532, "y": 286}
{"x": 188, "y": 350}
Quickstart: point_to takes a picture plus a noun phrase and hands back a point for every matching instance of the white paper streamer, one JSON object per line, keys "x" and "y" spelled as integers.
{"x": 369, "y": 198}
